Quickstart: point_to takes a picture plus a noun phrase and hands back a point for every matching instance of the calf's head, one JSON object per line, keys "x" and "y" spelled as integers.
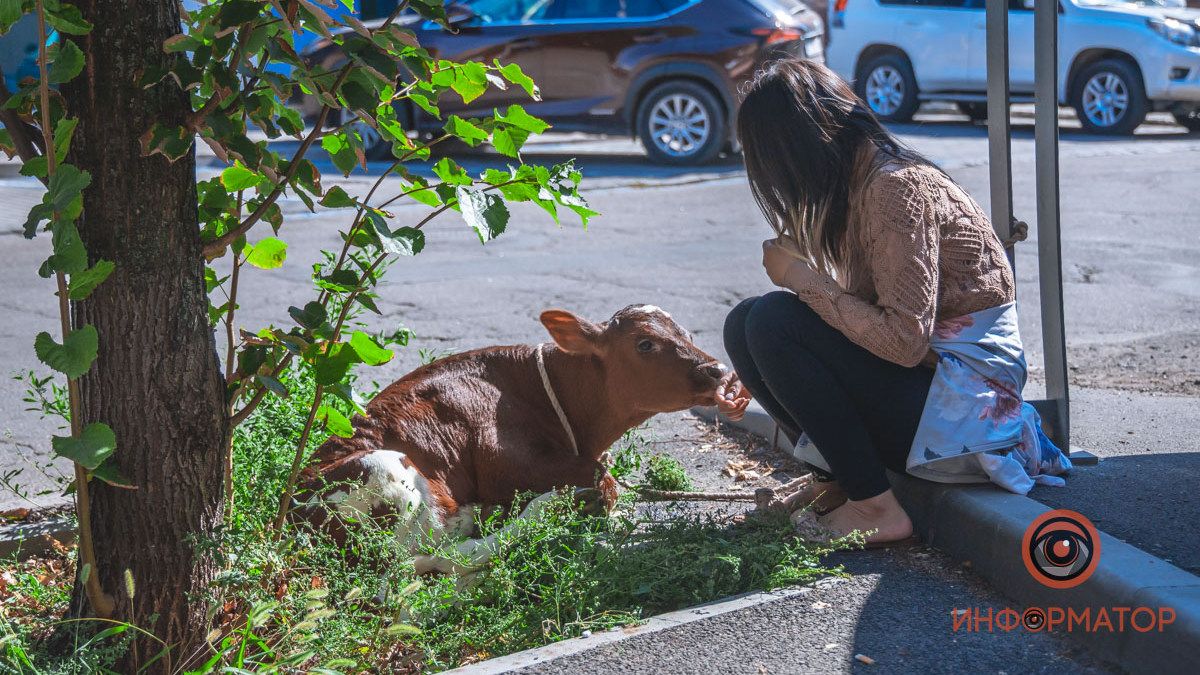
{"x": 650, "y": 363}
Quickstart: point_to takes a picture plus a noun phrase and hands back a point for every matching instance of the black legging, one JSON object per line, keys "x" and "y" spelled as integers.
{"x": 860, "y": 411}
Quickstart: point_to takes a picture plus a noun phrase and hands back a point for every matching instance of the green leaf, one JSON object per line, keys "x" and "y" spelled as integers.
{"x": 267, "y": 254}
{"x": 67, "y": 62}
{"x": 37, "y": 214}
{"x": 508, "y": 141}
{"x": 337, "y": 198}
{"x": 313, "y": 315}
{"x": 67, "y": 19}
{"x": 171, "y": 142}
{"x": 369, "y": 350}
{"x": 465, "y": 131}
{"x": 340, "y": 152}
{"x": 66, "y": 185}
{"x": 274, "y": 385}
{"x": 484, "y": 212}
{"x": 93, "y": 445}
{"x": 109, "y": 473}
{"x": 470, "y": 80}
{"x": 64, "y": 130}
{"x": 83, "y": 283}
{"x": 74, "y": 356}
{"x": 517, "y": 117}
{"x": 335, "y": 422}
{"x": 69, "y": 256}
{"x": 237, "y": 12}
{"x": 238, "y": 177}
{"x": 450, "y": 172}
{"x": 513, "y": 73}
{"x": 11, "y": 11}
{"x": 404, "y": 241}
{"x": 36, "y": 167}
{"x": 331, "y": 367}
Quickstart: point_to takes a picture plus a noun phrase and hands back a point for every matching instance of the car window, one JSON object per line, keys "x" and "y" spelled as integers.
{"x": 509, "y": 11}
{"x": 936, "y": 4}
{"x": 606, "y": 9}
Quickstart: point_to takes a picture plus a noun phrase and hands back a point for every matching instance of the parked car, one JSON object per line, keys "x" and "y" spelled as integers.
{"x": 665, "y": 71}
{"x": 1118, "y": 59}
{"x": 18, "y": 52}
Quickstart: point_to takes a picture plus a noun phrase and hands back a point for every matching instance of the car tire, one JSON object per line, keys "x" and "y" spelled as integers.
{"x": 1109, "y": 97}
{"x": 975, "y": 110}
{"x": 1188, "y": 119}
{"x": 681, "y": 123}
{"x": 887, "y": 86}
{"x": 375, "y": 146}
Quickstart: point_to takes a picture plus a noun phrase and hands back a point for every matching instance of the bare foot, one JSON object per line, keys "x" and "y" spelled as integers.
{"x": 820, "y": 497}
{"x": 881, "y": 518}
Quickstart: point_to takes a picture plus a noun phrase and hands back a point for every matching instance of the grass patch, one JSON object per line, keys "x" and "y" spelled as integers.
{"x": 302, "y": 603}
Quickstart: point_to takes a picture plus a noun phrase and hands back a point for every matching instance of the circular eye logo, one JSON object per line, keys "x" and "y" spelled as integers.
{"x": 1061, "y": 548}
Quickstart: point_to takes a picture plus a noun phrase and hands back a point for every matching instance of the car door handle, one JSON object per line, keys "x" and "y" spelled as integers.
{"x": 650, "y": 36}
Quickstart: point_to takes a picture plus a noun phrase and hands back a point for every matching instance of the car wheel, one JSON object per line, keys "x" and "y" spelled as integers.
{"x": 1109, "y": 97}
{"x": 681, "y": 123}
{"x": 1189, "y": 119}
{"x": 375, "y": 146}
{"x": 975, "y": 110}
{"x": 887, "y": 85}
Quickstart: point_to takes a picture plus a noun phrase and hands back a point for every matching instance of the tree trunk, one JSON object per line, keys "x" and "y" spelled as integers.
{"x": 156, "y": 380}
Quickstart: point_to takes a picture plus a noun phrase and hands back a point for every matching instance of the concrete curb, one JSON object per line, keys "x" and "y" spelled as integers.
{"x": 985, "y": 526}
{"x": 529, "y": 657}
{"x": 25, "y": 540}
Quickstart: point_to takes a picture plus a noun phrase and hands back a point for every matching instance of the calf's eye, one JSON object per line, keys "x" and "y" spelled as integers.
{"x": 645, "y": 346}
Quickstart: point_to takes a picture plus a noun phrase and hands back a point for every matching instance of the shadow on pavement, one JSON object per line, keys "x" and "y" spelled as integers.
{"x": 1148, "y": 501}
{"x": 905, "y": 623}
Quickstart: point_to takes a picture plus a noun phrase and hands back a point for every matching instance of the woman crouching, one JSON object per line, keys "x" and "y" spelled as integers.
{"x": 881, "y": 253}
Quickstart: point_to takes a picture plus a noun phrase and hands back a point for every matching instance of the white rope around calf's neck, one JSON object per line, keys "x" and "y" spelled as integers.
{"x": 562, "y": 416}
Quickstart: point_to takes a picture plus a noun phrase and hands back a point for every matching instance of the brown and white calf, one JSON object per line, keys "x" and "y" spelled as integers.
{"x": 472, "y": 430}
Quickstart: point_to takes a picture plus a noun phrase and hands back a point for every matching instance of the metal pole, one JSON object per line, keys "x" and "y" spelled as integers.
{"x": 1054, "y": 340}
{"x": 999, "y": 138}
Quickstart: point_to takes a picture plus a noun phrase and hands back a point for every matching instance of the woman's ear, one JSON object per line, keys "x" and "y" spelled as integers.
{"x": 571, "y": 333}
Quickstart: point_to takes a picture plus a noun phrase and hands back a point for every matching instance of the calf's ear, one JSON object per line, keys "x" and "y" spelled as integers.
{"x": 571, "y": 333}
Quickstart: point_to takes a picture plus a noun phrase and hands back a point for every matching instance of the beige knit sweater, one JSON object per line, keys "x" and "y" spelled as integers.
{"x": 921, "y": 250}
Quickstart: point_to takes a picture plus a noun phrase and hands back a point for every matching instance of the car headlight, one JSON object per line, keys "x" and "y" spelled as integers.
{"x": 1179, "y": 32}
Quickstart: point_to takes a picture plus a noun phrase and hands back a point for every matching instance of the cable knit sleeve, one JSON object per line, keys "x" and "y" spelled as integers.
{"x": 901, "y": 238}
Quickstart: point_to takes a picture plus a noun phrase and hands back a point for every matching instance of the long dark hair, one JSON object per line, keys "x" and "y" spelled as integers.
{"x": 802, "y": 131}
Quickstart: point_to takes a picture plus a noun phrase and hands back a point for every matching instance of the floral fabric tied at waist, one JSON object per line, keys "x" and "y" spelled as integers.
{"x": 975, "y": 427}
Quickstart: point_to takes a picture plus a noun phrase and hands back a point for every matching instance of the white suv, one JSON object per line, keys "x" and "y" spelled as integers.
{"x": 1118, "y": 59}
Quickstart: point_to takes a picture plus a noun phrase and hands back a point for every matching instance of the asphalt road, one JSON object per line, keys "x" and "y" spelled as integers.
{"x": 688, "y": 240}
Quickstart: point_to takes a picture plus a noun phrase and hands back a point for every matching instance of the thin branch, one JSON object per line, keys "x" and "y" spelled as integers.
{"x": 215, "y": 247}
{"x": 101, "y": 602}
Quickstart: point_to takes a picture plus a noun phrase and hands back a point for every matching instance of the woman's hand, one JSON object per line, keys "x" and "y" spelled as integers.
{"x": 732, "y": 398}
{"x": 778, "y": 260}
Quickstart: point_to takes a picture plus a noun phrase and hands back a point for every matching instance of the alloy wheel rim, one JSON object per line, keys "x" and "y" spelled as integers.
{"x": 370, "y": 136}
{"x": 679, "y": 125}
{"x": 1105, "y": 99}
{"x": 885, "y": 90}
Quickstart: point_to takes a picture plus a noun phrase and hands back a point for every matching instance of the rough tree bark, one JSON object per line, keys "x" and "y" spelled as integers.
{"x": 157, "y": 379}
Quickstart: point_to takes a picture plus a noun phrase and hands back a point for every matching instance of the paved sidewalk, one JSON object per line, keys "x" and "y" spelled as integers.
{"x": 895, "y": 610}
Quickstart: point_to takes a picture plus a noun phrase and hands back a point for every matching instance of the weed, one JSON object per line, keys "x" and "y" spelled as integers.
{"x": 664, "y": 472}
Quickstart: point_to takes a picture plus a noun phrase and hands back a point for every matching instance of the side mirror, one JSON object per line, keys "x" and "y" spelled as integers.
{"x": 458, "y": 14}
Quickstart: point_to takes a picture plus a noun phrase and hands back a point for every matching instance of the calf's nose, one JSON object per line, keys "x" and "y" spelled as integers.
{"x": 714, "y": 370}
